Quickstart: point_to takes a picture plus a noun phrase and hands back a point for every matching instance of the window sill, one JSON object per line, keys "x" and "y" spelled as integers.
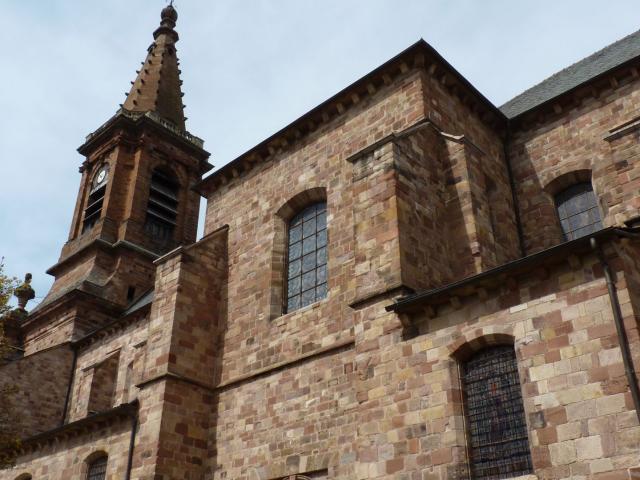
{"x": 301, "y": 311}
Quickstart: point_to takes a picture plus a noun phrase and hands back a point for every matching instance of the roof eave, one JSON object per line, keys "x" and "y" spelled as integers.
{"x": 570, "y": 91}
{"x": 421, "y": 46}
{"x": 416, "y": 301}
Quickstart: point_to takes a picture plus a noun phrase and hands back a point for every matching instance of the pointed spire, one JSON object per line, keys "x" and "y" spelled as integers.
{"x": 157, "y": 86}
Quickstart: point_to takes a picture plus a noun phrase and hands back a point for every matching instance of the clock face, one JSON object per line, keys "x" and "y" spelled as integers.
{"x": 101, "y": 177}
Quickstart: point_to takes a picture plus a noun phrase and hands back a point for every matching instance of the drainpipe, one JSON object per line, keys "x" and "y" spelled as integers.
{"x": 622, "y": 333}
{"x": 74, "y": 362}
{"x": 514, "y": 196}
{"x": 132, "y": 441}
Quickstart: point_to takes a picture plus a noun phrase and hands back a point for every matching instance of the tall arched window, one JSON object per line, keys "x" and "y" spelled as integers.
{"x": 162, "y": 209}
{"x": 97, "y": 468}
{"x": 578, "y": 211}
{"x": 307, "y": 257}
{"x": 498, "y": 442}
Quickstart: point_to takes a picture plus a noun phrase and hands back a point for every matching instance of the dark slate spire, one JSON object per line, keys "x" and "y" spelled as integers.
{"x": 157, "y": 86}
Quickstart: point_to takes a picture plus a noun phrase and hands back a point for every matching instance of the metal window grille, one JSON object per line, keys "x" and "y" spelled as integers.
{"x": 498, "y": 442}
{"x": 578, "y": 211}
{"x": 307, "y": 257}
{"x": 97, "y": 469}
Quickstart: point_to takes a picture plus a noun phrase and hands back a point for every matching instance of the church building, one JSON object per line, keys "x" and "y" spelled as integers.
{"x": 407, "y": 282}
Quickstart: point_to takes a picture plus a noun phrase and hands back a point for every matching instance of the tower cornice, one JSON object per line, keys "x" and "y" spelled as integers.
{"x": 133, "y": 121}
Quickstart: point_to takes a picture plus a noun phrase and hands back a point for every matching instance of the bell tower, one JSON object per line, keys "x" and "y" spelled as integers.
{"x": 135, "y": 200}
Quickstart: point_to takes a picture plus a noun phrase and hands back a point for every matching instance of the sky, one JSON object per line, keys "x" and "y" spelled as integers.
{"x": 249, "y": 68}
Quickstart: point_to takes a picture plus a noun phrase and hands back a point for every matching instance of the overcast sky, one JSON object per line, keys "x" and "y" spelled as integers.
{"x": 249, "y": 68}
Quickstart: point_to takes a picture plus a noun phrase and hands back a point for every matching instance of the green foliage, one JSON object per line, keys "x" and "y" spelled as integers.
{"x": 9, "y": 440}
{"x": 7, "y": 286}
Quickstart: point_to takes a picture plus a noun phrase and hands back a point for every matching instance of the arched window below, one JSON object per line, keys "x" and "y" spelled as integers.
{"x": 97, "y": 469}
{"x": 578, "y": 211}
{"x": 307, "y": 257}
{"x": 498, "y": 442}
{"x": 162, "y": 208}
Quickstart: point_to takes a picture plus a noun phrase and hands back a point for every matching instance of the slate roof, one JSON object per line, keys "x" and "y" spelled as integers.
{"x": 142, "y": 301}
{"x": 616, "y": 54}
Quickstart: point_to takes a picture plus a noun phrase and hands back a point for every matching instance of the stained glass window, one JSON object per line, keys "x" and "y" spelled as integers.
{"x": 578, "y": 211}
{"x": 307, "y": 257}
{"x": 97, "y": 469}
{"x": 499, "y": 446}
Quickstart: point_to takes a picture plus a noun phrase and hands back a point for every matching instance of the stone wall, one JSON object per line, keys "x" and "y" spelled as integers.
{"x": 478, "y": 190}
{"x": 41, "y": 380}
{"x": 579, "y": 412}
{"x": 175, "y": 391}
{"x": 547, "y": 154}
{"x": 67, "y": 457}
{"x": 126, "y": 346}
{"x": 298, "y": 419}
{"x": 255, "y": 336}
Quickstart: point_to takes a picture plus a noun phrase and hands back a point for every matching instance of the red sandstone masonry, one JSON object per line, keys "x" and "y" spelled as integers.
{"x": 41, "y": 380}
{"x": 578, "y": 406}
{"x": 301, "y": 419}
{"x": 545, "y": 157}
{"x": 67, "y": 459}
{"x": 318, "y": 161}
{"x": 181, "y": 361}
{"x": 365, "y": 255}
{"x": 129, "y": 343}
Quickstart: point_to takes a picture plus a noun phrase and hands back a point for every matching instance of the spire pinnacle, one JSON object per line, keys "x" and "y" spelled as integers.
{"x": 157, "y": 86}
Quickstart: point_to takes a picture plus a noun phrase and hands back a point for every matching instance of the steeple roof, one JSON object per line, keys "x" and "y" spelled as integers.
{"x": 157, "y": 86}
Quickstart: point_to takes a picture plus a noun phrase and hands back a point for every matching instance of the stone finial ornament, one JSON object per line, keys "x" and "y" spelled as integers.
{"x": 169, "y": 15}
{"x": 24, "y": 292}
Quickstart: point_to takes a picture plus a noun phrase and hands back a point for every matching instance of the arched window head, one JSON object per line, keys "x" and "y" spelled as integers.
{"x": 578, "y": 211}
{"x": 97, "y": 469}
{"x": 98, "y": 188}
{"x": 307, "y": 257}
{"x": 24, "y": 476}
{"x": 162, "y": 208}
{"x": 498, "y": 442}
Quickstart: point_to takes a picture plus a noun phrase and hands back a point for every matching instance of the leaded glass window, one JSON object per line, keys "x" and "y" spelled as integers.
{"x": 499, "y": 446}
{"x": 97, "y": 469}
{"x": 307, "y": 257}
{"x": 578, "y": 211}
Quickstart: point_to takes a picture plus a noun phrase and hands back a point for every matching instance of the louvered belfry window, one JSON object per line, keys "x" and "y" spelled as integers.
{"x": 93, "y": 208}
{"x": 307, "y": 257}
{"x": 97, "y": 469}
{"x": 498, "y": 442}
{"x": 162, "y": 209}
{"x": 578, "y": 211}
